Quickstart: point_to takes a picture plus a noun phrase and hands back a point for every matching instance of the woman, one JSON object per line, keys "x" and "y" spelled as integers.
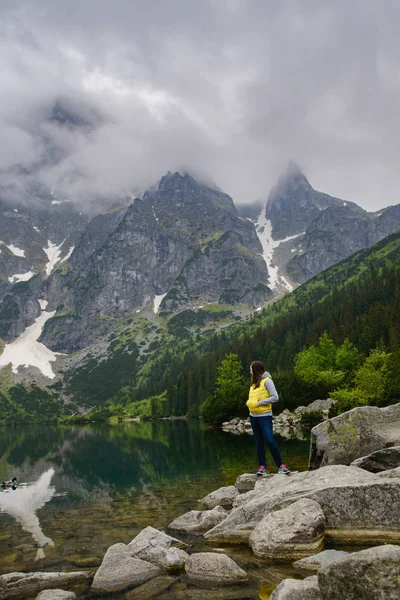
{"x": 261, "y": 397}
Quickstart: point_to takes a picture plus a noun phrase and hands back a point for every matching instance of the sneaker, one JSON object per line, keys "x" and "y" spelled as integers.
{"x": 283, "y": 469}
{"x": 262, "y": 470}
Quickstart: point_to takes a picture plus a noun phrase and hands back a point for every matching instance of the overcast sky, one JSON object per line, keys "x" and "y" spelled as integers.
{"x": 229, "y": 90}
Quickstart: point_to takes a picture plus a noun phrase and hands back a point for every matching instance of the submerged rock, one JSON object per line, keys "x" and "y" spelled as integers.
{"x": 119, "y": 571}
{"x": 354, "y": 434}
{"x": 21, "y": 585}
{"x": 290, "y": 533}
{"x": 314, "y": 563}
{"x": 56, "y": 595}
{"x": 380, "y": 460}
{"x": 297, "y": 589}
{"x": 151, "y": 589}
{"x": 359, "y": 507}
{"x": 224, "y": 497}
{"x": 197, "y": 521}
{"x": 372, "y": 573}
{"x": 210, "y": 569}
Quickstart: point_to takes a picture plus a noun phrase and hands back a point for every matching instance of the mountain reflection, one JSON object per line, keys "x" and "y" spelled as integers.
{"x": 22, "y": 504}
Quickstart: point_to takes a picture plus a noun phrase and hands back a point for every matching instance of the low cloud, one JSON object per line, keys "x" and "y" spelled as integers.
{"x": 100, "y": 99}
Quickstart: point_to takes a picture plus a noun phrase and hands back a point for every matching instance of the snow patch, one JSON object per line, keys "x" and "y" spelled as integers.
{"x": 42, "y": 303}
{"x": 14, "y": 249}
{"x": 36, "y": 229}
{"x": 264, "y": 232}
{"x": 286, "y": 284}
{"x": 258, "y": 309}
{"x": 58, "y": 201}
{"x": 138, "y": 310}
{"x": 21, "y": 277}
{"x": 152, "y": 208}
{"x": 157, "y": 302}
{"x": 15, "y": 210}
{"x": 26, "y": 351}
{"x": 53, "y": 254}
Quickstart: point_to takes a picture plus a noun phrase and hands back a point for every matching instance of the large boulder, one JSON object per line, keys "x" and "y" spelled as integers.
{"x": 372, "y": 573}
{"x": 312, "y": 564}
{"x": 22, "y": 585}
{"x": 359, "y": 507}
{"x": 209, "y": 569}
{"x": 297, "y": 589}
{"x": 197, "y": 521}
{"x": 380, "y": 460}
{"x": 353, "y": 434}
{"x": 119, "y": 571}
{"x": 224, "y": 496}
{"x": 159, "y": 548}
{"x": 290, "y": 533}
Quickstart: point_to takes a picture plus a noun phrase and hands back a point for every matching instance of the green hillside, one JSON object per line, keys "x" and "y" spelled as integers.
{"x": 356, "y": 299}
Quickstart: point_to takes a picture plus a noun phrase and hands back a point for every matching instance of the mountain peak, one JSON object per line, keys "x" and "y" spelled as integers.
{"x": 293, "y": 178}
{"x": 172, "y": 180}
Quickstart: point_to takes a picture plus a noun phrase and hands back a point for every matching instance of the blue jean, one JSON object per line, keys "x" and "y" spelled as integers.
{"x": 262, "y": 429}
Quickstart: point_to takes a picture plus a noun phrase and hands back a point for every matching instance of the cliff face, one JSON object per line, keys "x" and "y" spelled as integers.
{"x": 338, "y": 232}
{"x": 184, "y": 241}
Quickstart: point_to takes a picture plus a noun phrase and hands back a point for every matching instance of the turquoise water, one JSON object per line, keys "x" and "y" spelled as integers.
{"x": 91, "y": 486}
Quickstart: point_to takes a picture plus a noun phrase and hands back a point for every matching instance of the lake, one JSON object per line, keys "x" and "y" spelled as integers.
{"x": 84, "y": 488}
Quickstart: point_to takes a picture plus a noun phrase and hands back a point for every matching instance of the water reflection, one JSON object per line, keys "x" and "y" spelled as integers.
{"x": 117, "y": 480}
{"x": 23, "y": 502}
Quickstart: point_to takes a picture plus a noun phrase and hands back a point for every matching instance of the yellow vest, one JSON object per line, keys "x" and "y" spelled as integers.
{"x": 257, "y": 394}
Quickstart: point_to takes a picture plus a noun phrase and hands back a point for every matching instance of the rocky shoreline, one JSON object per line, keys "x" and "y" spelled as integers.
{"x": 349, "y": 497}
{"x": 288, "y": 425}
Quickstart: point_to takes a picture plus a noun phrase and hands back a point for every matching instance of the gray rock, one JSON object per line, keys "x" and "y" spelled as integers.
{"x": 56, "y": 595}
{"x": 359, "y": 506}
{"x": 297, "y": 589}
{"x": 372, "y": 573}
{"x": 380, "y": 460}
{"x": 354, "y": 434}
{"x": 173, "y": 559}
{"x": 316, "y": 406}
{"x": 119, "y": 571}
{"x": 290, "y": 533}
{"x": 246, "y": 482}
{"x": 152, "y": 545}
{"x": 390, "y": 473}
{"x": 314, "y": 563}
{"x": 197, "y": 521}
{"x": 22, "y": 585}
{"x": 224, "y": 496}
{"x": 209, "y": 569}
{"x": 151, "y": 589}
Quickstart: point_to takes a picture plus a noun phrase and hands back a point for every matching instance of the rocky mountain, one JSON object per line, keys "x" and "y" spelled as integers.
{"x": 304, "y": 231}
{"x": 338, "y": 232}
{"x": 293, "y": 204}
{"x": 182, "y": 256}
{"x": 183, "y": 244}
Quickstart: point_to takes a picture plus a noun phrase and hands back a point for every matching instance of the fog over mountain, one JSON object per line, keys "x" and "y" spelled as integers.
{"x": 99, "y": 99}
